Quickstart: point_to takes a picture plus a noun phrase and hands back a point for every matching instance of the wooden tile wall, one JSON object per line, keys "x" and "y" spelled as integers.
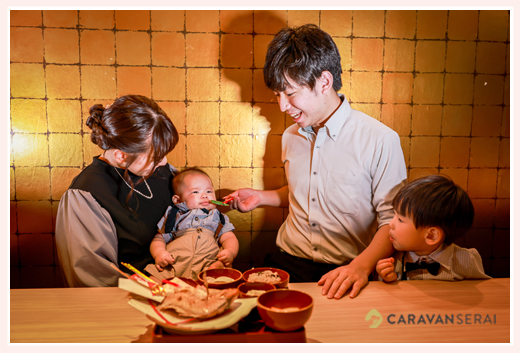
{"x": 439, "y": 78}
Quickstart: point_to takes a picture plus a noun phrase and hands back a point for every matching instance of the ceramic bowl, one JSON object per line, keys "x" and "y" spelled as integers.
{"x": 285, "y": 309}
{"x": 284, "y": 276}
{"x": 246, "y": 287}
{"x": 214, "y": 274}
{"x": 186, "y": 280}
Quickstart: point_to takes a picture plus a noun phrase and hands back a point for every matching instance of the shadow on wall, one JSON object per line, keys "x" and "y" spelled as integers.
{"x": 263, "y": 102}
{"x": 243, "y": 70}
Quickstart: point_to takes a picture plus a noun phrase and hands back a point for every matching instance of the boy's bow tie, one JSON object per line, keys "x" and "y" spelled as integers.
{"x": 433, "y": 268}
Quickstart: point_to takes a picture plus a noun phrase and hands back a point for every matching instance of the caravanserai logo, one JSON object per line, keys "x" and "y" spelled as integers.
{"x": 377, "y": 319}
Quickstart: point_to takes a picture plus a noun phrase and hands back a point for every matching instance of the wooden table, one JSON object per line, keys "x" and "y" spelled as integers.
{"x": 409, "y": 311}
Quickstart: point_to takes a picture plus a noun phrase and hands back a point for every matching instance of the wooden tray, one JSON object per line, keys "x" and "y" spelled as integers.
{"x": 241, "y": 332}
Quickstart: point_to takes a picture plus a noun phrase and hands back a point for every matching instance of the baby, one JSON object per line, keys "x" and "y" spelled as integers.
{"x": 187, "y": 242}
{"x": 430, "y": 214}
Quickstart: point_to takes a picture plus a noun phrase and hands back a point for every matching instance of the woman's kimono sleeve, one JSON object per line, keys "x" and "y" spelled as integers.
{"x": 86, "y": 240}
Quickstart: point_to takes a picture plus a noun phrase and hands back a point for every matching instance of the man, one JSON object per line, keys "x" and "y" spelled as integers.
{"x": 342, "y": 166}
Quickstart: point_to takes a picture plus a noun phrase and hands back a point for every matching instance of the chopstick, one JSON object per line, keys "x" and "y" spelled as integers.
{"x": 118, "y": 270}
{"x": 205, "y": 279}
{"x": 154, "y": 286}
{"x": 137, "y": 272}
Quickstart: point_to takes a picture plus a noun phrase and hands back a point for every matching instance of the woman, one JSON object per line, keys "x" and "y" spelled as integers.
{"x": 110, "y": 212}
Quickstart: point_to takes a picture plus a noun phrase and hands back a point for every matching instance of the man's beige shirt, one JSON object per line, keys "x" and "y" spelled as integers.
{"x": 341, "y": 184}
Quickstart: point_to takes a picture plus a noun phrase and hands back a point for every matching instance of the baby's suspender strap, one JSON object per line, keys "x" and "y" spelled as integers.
{"x": 170, "y": 220}
{"x": 217, "y": 232}
{"x": 167, "y": 237}
{"x": 222, "y": 219}
{"x": 220, "y": 226}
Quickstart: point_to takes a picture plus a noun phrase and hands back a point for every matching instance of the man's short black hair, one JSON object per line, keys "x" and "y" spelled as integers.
{"x": 436, "y": 201}
{"x": 302, "y": 54}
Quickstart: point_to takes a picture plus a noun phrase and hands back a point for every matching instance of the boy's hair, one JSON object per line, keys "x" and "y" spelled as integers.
{"x": 436, "y": 201}
{"x": 179, "y": 177}
{"x": 302, "y": 54}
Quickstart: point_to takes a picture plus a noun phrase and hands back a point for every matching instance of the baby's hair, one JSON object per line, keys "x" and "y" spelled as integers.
{"x": 436, "y": 201}
{"x": 179, "y": 177}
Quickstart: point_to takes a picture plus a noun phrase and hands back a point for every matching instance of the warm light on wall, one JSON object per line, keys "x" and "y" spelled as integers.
{"x": 439, "y": 78}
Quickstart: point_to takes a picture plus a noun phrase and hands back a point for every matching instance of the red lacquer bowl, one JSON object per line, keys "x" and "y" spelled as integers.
{"x": 285, "y": 309}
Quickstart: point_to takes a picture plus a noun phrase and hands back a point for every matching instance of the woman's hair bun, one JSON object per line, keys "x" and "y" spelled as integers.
{"x": 96, "y": 114}
{"x": 95, "y": 123}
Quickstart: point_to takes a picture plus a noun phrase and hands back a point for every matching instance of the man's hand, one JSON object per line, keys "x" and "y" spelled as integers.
{"x": 243, "y": 200}
{"x": 338, "y": 281}
{"x": 386, "y": 269}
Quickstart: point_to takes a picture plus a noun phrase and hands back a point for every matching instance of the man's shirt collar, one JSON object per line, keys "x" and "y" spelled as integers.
{"x": 334, "y": 124}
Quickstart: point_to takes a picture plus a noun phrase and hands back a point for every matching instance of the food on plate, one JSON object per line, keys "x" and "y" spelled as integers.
{"x": 266, "y": 276}
{"x": 284, "y": 310}
{"x": 255, "y": 292}
{"x": 197, "y": 302}
{"x": 221, "y": 279}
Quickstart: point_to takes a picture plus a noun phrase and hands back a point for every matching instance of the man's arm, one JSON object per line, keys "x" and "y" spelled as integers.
{"x": 388, "y": 172}
{"x": 246, "y": 200}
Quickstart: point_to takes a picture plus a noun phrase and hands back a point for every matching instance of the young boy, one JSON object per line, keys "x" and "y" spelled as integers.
{"x": 186, "y": 243}
{"x": 430, "y": 214}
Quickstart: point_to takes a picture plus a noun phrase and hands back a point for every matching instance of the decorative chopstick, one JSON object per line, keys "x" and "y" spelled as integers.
{"x": 137, "y": 272}
{"x": 118, "y": 270}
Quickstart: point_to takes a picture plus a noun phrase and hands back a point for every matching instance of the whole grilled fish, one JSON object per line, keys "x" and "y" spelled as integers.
{"x": 197, "y": 303}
